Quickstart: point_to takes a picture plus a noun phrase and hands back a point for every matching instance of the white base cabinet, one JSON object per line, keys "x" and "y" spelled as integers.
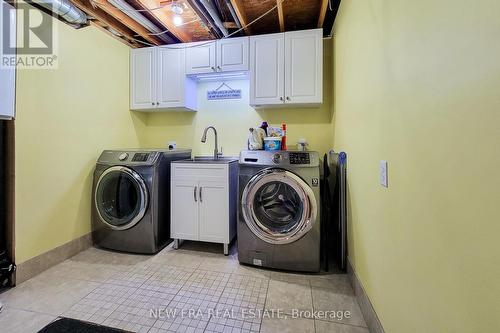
{"x": 203, "y": 202}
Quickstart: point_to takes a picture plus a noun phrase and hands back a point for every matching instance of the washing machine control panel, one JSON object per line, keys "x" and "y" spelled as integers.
{"x": 123, "y": 156}
{"x": 140, "y": 157}
{"x": 299, "y": 158}
{"x": 277, "y": 158}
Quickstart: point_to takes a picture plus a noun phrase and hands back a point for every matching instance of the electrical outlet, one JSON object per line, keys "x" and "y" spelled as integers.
{"x": 383, "y": 174}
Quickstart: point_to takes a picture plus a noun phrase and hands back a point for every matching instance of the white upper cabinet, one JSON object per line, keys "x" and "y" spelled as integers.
{"x": 158, "y": 80}
{"x": 267, "y": 64}
{"x": 200, "y": 57}
{"x": 142, "y": 78}
{"x": 287, "y": 69}
{"x": 232, "y": 54}
{"x": 171, "y": 76}
{"x": 304, "y": 67}
{"x": 224, "y": 55}
{"x": 8, "y": 74}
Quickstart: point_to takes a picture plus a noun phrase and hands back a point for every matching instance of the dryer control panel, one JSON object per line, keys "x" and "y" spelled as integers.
{"x": 279, "y": 158}
{"x": 299, "y": 158}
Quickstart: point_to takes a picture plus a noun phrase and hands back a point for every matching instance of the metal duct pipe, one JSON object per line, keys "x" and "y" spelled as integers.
{"x": 64, "y": 9}
{"x": 205, "y": 17}
{"x": 233, "y": 13}
{"x": 215, "y": 17}
{"x": 141, "y": 19}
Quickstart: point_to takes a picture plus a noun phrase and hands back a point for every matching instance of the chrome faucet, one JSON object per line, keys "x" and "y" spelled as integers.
{"x": 204, "y": 139}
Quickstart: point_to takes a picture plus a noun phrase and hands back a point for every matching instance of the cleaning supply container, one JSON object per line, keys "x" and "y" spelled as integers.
{"x": 272, "y": 143}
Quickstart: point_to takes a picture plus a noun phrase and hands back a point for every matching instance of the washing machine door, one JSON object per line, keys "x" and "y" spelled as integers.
{"x": 278, "y": 206}
{"x": 121, "y": 197}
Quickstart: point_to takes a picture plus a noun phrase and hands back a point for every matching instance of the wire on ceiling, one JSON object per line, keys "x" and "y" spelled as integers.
{"x": 211, "y": 41}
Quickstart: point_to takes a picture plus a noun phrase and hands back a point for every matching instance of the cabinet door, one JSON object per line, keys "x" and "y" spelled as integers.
{"x": 232, "y": 54}
{"x": 266, "y": 69}
{"x": 184, "y": 210}
{"x": 7, "y": 74}
{"x": 171, "y": 77}
{"x": 142, "y": 79}
{"x": 304, "y": 66}
{"x": 214, "y": 212}
{"x": 200, "y": 57}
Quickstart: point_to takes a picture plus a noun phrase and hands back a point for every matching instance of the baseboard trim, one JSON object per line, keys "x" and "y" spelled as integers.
{"x": 44, "y": 261}
{"x": 364, "y": 302}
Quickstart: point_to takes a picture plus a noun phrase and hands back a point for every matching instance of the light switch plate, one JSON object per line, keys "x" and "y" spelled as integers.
{"x": 383, "y": 174}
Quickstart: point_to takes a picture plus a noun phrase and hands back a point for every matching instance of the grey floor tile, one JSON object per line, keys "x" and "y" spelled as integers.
{"x": 22, "y": 321}
{"x": 329, "y": 327}
{"x": 117, "y": 260}
{"x": 341, "y": 308}
{"x": 179, "y": 258}
{"x": 219, "y": 263}
{"x": 339, "y": 283}
{"x": 246, "y": 270}
{"x": 51, "y": 296}
{"x": 81, "y": 270}
{"x": 288, "y": 296}
{"x": 291, "y": 277}
{"x": 288, "y": 325}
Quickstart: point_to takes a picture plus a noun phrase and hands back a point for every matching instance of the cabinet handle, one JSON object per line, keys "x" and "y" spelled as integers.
{"x": 157, "y": 103}
{"x": 194, "y": 194}
{"x": 153, "y": 103}
{"x": 281, "y": 98}
{"x": 213, "y": 68}
{"x": 220, "y": 69}
{"x": 201, "y": 198}
{"x": 287, "y": 98}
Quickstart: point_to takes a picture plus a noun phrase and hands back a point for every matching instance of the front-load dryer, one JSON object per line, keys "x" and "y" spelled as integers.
{"x": 131, "y": 199}
{"x": 279, "y": 210}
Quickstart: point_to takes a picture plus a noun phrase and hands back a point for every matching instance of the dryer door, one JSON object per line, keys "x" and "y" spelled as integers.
{"x": 120, "y": 198}
{"x": 278, "y": 206}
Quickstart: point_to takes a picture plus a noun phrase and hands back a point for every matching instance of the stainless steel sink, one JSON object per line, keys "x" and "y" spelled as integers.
{"x": 211, "y": 159}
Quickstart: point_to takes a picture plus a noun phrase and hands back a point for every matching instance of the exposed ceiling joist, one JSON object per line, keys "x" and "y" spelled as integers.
{"x": 230, "y": 25}
{"x": 281, "y": 17}
{"x": 108, "y": 20}
{"x": 165, "y": 17}
{"x": 322, "y": 13}
{"x": 101, "y": 27}
{"x": 130, "y": 23}
{"x": 238, "y": 8}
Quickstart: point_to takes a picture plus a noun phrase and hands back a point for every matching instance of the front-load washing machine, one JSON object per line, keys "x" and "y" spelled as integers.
{"x": 278, "y": 220}
{"x": 131, "y": 199}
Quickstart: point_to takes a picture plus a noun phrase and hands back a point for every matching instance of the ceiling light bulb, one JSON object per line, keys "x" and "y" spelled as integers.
{"x": 177, "y": 20}
{"x": 176, "y": 8}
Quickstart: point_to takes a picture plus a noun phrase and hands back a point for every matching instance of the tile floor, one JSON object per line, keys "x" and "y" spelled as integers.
{"x": 193, "y": 289}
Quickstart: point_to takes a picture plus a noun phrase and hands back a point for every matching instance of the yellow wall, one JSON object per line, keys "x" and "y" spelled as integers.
{"x": 233, "y": 118}
{"x": 417, "y": 83}
{"x": 65, "y": 117}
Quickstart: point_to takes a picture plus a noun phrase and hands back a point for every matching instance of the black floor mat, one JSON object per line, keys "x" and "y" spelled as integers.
{"x": 65, "y": 325}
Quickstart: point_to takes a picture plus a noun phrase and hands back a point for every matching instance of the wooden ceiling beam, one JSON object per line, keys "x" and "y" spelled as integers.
{"x": 164, "y": 18}
{"x": 105, "y": 18}
{"x": 240, "y": 12}
{"x": 101, "y": 27}
{"x": 322, "y": 13}
{"x": 127, "y": 21}
{"x": 281, "y": 17}
{"x": 230, "y": 25}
